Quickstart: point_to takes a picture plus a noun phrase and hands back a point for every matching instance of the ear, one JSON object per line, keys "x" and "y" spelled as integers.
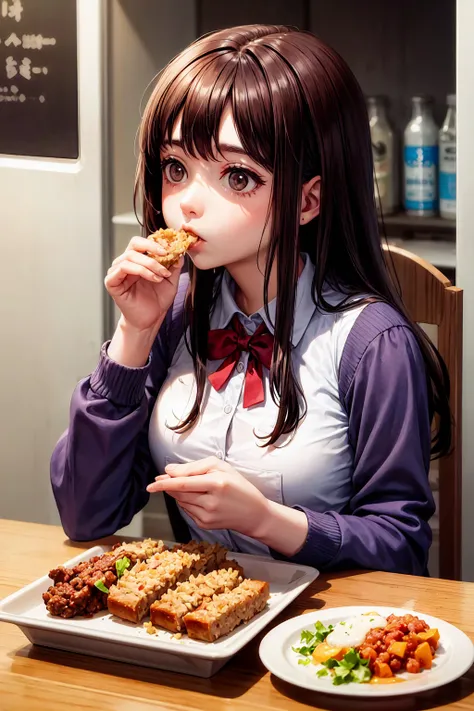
{"x": 310, "y": 200}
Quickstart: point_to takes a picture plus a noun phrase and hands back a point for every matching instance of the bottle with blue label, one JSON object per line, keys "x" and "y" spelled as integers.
{"x": 447, "y": 162}
{"x": 421, "y": 160}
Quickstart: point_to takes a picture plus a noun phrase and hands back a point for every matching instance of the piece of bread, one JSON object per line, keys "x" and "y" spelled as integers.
{"x": 138, "y": 588}
{"x": 176, "y": 242}
{"x": 175, "y": 604}
{"x": 225, "y": 612}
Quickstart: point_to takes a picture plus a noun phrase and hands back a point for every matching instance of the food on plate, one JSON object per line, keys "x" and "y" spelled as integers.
{"x": 148, "y": 581}
{"x": 225, "y": 612}
{"x": 81, "y": 590}
{"x": 369, "y": 648}
{"x": 169, "y": 612}
{"x": 192, "y": 588}
{"x": 175, "y": 242}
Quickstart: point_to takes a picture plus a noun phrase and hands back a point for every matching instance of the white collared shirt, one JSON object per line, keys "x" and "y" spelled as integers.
{"x": 313, "y": 468}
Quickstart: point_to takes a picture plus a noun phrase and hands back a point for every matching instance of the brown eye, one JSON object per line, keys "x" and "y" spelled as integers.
{"x": 238, "y": 180}
{"x": 175, "y": 172}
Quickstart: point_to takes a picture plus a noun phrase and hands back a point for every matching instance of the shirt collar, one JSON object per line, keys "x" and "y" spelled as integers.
{"x": 226, "y": 306}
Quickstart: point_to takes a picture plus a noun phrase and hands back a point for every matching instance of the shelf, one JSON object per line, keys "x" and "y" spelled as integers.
{"x": 126, "y": 218}
{"x": 412, "y": 224}
{"x": 441, "y": 253}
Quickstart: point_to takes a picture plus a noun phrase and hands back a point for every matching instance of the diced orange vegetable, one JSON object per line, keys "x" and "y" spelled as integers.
{"x": 431, "y": 634}
{"x": 399, "y": 649}
{"x": 324, "y": 651}
{"x": 382, "y": 669}
{"x": 423, "y": 655}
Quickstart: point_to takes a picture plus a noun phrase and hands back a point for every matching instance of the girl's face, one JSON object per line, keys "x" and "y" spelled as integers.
{"x": 224, "y": 202}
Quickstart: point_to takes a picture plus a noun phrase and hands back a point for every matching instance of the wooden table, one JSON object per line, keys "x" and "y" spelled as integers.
{"x": 40, "y": 679}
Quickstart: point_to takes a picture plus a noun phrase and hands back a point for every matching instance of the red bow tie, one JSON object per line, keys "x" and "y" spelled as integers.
{"x": 229, "y": 343}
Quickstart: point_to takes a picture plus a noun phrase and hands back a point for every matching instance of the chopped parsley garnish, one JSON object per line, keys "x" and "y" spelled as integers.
{"x": 121, "y": 566}
{"x": 351, "y": 668}
{"x": 100, "y": 586}
{"x": 310, "y": 640}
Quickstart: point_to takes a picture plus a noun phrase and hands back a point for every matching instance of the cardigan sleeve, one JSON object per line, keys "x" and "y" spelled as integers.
{"x": 101, "y": 465}
{"x": 385, "y": 524}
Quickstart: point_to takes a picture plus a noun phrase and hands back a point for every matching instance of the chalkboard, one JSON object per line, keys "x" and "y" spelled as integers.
{"x": 38, "y": 78}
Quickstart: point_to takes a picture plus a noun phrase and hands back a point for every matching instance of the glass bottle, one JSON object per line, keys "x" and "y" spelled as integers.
{"x": 447, "y": 162}
{"x": 383, "y": 151}
{"x": 421, "y": 160}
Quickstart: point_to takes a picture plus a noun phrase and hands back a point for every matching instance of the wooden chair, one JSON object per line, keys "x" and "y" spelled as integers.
{"x": 431, "y": 299}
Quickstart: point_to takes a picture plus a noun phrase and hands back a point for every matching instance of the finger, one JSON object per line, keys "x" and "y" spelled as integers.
{"x": 197, "y": 514}
{"x": 178, "y": 264}
{"x": 117, "y": 276}
{"x": 201, "y": 484}
{"x": 176, "y": 270}
{"x": 200, "y": 466}
{"x": 196, "y": 499}
{"x": 142, "y": 244}
{"x": 138, "y": 258}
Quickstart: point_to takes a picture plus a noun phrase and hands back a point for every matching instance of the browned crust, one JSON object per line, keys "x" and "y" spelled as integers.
{"x": 176, "y": 242}
{"x": 165, "y": 617}
{"x": 138, "y": 588}
{"x": 132, "y": 609}
{"x": 225, "y": 612}
{"x": 169, "y": 612}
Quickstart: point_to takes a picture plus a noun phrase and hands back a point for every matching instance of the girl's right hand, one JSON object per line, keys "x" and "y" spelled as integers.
{"x": 142, "y": 288}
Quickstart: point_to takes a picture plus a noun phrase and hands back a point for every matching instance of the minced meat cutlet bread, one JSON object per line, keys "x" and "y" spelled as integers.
{"x": 176, "y": 242}
{"x": 175, "y": 604}
{"x": 225, "y": 612}
{"x": 138, "y": 588}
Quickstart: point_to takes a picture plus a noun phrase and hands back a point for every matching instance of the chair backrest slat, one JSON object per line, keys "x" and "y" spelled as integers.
{"x": 430, "y": 299}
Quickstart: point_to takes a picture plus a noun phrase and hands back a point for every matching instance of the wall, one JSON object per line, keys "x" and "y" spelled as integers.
{"x": 465, "y": 258}
{"x": 143, "y": 36}
{"x": 51, "y": 228}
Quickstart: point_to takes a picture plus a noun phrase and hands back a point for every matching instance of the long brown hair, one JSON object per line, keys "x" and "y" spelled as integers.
{"x": 299, "y": 112}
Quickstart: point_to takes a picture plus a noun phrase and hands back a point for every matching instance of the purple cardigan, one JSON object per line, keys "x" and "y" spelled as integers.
{"x": 102, "y": 464}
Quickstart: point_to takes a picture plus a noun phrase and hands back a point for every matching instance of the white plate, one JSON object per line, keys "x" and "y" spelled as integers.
{"x": 107, "y": 636}
{"x": 454, "y": 655}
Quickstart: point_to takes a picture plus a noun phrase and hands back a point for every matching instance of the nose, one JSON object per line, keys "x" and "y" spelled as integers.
{"x": 192, "y": 203}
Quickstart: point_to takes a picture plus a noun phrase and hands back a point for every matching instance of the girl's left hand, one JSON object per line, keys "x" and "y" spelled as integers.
{"x": 215, "y": 495}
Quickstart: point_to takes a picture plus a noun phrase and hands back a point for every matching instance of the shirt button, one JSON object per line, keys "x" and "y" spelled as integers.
{"x": 227, "y": 409}
{"x": 240, "y": 366}
{"x": 219, "y": 454}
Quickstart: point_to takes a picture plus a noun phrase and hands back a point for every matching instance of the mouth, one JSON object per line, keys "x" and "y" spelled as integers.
{"x": 190, "y": 231}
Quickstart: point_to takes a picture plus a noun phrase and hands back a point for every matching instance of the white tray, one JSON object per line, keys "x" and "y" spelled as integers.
{"x": 107, "y": 636}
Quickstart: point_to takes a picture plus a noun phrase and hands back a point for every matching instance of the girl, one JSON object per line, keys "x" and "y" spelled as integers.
{"x": 279, "y": 388}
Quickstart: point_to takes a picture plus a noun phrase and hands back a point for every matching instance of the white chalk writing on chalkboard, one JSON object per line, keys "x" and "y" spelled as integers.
{"x": 14, "y": 96}
{"x": 12, "y": 9}
{"x": 38, "y": 78}
{"x": 25, "y": 69}
{"x": 30, "y": 41}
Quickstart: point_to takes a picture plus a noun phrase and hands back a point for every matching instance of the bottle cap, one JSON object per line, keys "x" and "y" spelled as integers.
{"x": 422, "y": 99}
{"x": 451, "y": 99}
{"x": 376, "y": 99}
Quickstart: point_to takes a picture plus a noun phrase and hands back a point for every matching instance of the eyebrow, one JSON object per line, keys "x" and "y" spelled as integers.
{"x": 223, "y": 147}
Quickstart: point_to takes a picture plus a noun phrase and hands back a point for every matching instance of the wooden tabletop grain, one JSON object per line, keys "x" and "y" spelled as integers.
{"x": 39, "y": 679}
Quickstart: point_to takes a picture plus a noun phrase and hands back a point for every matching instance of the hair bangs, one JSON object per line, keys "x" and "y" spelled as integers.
{"x": 197, "y": 97}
